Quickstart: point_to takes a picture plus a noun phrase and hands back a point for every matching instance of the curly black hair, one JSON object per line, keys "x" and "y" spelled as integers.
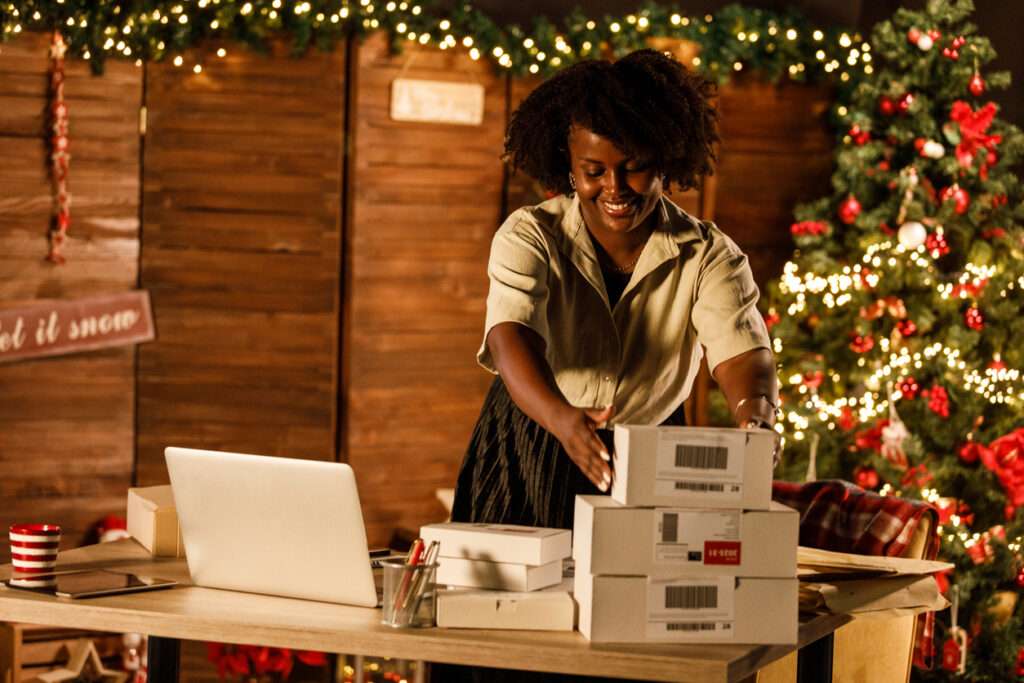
{"x": 648, "y": 104}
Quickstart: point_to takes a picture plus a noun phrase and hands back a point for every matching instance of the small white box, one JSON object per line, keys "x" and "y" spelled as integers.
{"x": 500, "y": 542}
{"x": 610, "y": 538}
{"x": 505, "y": 576}
{"x": 714, "y": 609}
{"x": 153, "y": 521}
{"x": 545, "y": 610}
{"x": 703, "y": 467}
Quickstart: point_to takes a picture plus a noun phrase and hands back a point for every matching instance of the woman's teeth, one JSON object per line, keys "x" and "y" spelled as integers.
{"x": 617, "y": 207}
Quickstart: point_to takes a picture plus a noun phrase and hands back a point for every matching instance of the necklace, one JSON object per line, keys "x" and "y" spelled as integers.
{"x": 628, "y": 268}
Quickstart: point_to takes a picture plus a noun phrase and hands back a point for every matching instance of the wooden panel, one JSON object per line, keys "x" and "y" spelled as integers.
{"x": 242, "y": 208}
{"x": 776, "y": 152}
{"x": 425, "y": 201}
{"x": 66, "y": 424}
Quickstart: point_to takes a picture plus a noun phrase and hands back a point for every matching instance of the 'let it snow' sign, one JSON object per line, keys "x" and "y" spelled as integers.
{"x": 437, "y": 101}
{"x": 61, "y": 327}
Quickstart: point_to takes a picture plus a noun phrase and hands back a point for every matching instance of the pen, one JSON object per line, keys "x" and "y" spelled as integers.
{"x": 432, "y": 552}
{"x": 420, "y": 580}
{"x": 415, "y": 554}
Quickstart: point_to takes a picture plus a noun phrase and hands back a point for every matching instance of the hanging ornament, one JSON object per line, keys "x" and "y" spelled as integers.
{"x": 924, "y": 42}
{"x": 1020, "y": 578}
{"x": 849, "y": 209}
{"x": 909, "y": 387}
{"x": 974, "y": 318}
{"x": 886, "y": 105}
{"x": 865, "y": 477}
{"x": 954, "y": 650}
{"x": 894, "y": 434}
{"x": 906, "y": 328}
{"x": 934, "y": 34}
{"x": 958, "y": 195}
{"x": 905, "y": 103}
{"x": 933, "y": 150}
{"x": 936, "y": 244}
{"x": 977, "y": 85}
{"x": 859, "y": 136}
{"x": 847, "y": 420}
{"x": 812, "y": 460}
{"x": 913, "y": 35}
{"x": 953, "y": 51}
{"x": 862, "y": 343}
{"x": 59, "y": 155}
{"x": 991, "y": 158}
{"x": 912, "y": 234}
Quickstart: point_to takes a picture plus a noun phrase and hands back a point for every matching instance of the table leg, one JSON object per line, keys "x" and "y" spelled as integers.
{"x": 814, "y": 661}
{"x": 164, "y": 659}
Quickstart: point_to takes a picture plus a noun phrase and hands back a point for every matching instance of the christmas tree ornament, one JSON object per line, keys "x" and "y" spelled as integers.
{"x": 905, "y": 103}
{"x": 913, "y": 35}
{"x": 936, "y": 244}
{"x": 894, "y": 434}
{"x": 906, "y": 328}
{"x": 991, "y": 158}
{"x": 1003, "y": 607}
{"x": 909, "y": 387}
{"x": 862, "y": 343}
{"x": 859, "y": 136}
{"x": 59, "y": 154}
{"x": 938, "y": 400}
{"x": 912, "y": 234}
{"x": 849, "y": 209}
{"x": 954, "y": 650}
{"x": 886, "y": 105}
{"x": 951, "y": 53}
{"x": 958, "y": 195}
{"x": 933, "y": 150}
{"x": 977, "y": 85}
{"x": 934, "y": 34}
{"x": 812, "y": 459}
{"x": 865, "y": 477}
{"x": 974, "y": 318}
{"x": 1020, "y": 578}
{"x": 925, "y": 42}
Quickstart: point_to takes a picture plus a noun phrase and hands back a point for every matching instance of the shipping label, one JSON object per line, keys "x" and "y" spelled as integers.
{"x": 691, "y": 609}
{"x": 709, "y": 464}
{"x": 696, "y": 537}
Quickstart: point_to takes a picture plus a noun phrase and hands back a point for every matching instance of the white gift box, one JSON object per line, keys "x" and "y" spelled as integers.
{"x": 499, "y": 542}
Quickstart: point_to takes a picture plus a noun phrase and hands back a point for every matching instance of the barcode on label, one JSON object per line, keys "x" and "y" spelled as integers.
{"x": 691, "y": 597}
{"x": 702, "y": 457}
{"x": 669, "y": 528}
{"x": 698, "y": 486}
{"x": 690, "y": 626}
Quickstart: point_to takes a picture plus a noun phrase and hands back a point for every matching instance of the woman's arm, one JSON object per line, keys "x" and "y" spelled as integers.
{"x": 749, "y": 384}
{"x": 518, "y": 354}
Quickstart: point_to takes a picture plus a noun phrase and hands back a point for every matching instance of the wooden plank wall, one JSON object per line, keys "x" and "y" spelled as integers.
{"x": 66, "y": 423}
{"x": 242, "y": 207}
{"x": 425, "y": 200}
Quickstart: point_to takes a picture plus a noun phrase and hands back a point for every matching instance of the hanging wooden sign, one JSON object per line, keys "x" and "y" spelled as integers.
{"x": 56, "y": 327}
{"x": 437, "y": 101}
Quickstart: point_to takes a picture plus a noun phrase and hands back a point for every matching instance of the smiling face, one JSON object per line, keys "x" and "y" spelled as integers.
{"x": 617, "y": 192}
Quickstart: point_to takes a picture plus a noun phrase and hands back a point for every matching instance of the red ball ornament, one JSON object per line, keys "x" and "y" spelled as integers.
{"x": 886, "y": 105}
{"x": 977, "y": 85}
{"x": 974, "y": 318}
{"x": 958, "y": 195}
{"x": 862, "y": 344}
{"x": 905, "y": 103}
{"x": 951, "y": 52}
{"x": 849, "y": 209}
{"x": 913, "y": 35}
{"x": 865, "y": 477}
{"x": 906, "y": 328}
{"x": 909, "y": 387}
{"x": 859, "y": 136}
{"x": 936, "y": 244}
{"x": 934, "y": 34}
{"x": 991, "y": 158}
{"x": 1020, "y": 578}
{"x": 919, "y": 143}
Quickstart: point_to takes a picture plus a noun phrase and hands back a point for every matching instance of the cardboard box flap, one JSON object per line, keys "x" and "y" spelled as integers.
{"x": 153, "y": 497}
{"x": 814, "y": 561}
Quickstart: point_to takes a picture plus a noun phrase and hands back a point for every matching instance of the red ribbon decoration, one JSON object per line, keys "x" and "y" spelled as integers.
{"x": 59, "y": 155}
{"x": 973, "y": 137}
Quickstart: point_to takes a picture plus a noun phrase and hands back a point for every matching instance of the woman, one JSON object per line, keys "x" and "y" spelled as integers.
{"x": 603, "y": 299}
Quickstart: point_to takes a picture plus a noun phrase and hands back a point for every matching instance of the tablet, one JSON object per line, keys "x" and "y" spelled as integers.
{"x": 88, "y": 583}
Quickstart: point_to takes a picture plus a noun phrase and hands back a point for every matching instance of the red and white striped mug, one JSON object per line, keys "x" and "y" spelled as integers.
{"x": 33, "y": 552}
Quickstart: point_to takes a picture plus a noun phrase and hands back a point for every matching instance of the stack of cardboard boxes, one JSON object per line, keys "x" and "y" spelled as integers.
{"x": 690, "y": 546}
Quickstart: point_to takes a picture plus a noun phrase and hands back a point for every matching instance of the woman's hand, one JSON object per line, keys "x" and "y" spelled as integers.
{"x": 575, "y": 429}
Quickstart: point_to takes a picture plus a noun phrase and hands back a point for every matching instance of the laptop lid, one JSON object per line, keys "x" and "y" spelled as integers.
{"x": 279, "y": 526}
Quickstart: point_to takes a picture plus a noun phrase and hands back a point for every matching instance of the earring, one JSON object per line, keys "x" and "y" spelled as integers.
{"x": 572, "y": 181}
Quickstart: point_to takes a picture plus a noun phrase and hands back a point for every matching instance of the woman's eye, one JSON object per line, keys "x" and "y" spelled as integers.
{"x": 593, "y": 174}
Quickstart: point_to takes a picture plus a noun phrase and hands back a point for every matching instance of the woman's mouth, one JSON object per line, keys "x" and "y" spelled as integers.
{"x": 618, "y": 209}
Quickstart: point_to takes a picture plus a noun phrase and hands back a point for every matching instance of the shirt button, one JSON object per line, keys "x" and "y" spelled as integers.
{"x": 607, "y": 378}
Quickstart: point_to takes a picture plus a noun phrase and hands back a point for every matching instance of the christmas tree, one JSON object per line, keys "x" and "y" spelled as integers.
{"x": 897, "y": 324}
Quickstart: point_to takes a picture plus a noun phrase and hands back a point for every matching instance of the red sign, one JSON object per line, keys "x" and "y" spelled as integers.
{"x": 721, "y": 552}
{"x": 54, "y": 328}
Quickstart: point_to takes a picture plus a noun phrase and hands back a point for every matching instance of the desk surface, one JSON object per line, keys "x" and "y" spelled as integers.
{"x": 193, "y": 613}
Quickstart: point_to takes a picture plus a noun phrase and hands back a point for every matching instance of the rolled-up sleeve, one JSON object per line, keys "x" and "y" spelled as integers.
{"x": 518, "y": 273}
{"x": 725, "y": 312}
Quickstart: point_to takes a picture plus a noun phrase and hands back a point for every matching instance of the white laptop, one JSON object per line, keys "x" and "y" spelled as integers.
{"x": 279, "y": 526}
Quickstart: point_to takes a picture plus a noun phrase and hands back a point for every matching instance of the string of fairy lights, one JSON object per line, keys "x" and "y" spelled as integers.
{"x": 731, "y": 40}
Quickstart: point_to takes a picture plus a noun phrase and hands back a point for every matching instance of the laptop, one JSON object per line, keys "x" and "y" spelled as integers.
{"x": 278, "y": 526}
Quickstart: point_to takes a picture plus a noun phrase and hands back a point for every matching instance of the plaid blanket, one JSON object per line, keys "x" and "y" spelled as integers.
{"x": 837, "y": 515}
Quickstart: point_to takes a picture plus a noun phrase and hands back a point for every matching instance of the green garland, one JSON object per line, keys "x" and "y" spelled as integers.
{"x": 780, "y": 45}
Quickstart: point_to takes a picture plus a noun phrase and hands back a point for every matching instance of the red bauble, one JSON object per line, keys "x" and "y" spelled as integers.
{"x": 905, "y": 103}
{"x": 991, "y": 158}
{"x": 938, "y": 400}
{"x": 1020, "y": 578}
{"x": 906, "y": 327}
{"x": 970, "y": 452}
{"x": 936, "y": 244}
{"x": 909, "y": 388}
{"x": 849, "y": 210}
{"x": 883, "y": 165}
{"x": 859, "y": 136}
{"x": 974, "y": 318}
{"x": 862, "y": 344}
{"x": 957, "y": 194}
{"x": 913, "y": 35}
{"x": 934, "y": 34}
{"x": 865, "y": 477}
{"x": 886, "y": 105}
{"x": 951, "y": 52}
{"x": 919, "y": 143}
{"x": 977, "y": 85}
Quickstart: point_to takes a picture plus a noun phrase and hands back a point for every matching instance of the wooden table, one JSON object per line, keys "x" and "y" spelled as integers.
{"x": 192, "y": 613}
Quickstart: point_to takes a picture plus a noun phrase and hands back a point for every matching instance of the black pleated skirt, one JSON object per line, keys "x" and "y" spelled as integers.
{"x": 516, "y": 472}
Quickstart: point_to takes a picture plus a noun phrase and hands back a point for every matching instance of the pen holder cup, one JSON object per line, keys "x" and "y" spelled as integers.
{"x": 410, "y": 594}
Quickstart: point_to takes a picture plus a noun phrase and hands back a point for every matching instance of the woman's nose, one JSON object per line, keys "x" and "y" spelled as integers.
{"x": 613, "y": 182}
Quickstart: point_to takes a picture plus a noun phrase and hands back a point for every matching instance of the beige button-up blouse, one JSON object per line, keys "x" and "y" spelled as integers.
{"x": 691, "y": 288}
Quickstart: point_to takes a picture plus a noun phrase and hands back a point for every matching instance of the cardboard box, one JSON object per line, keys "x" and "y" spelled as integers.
{"x": 713, "y": 609}
{"x": 701, "y": 467}
{"x": 500, "y": 542}
{"x": 153, "y": 521}
{"x": 505, "y": 576}
{"x": 610, "y": 538}
{"x": 545, "y": 610}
